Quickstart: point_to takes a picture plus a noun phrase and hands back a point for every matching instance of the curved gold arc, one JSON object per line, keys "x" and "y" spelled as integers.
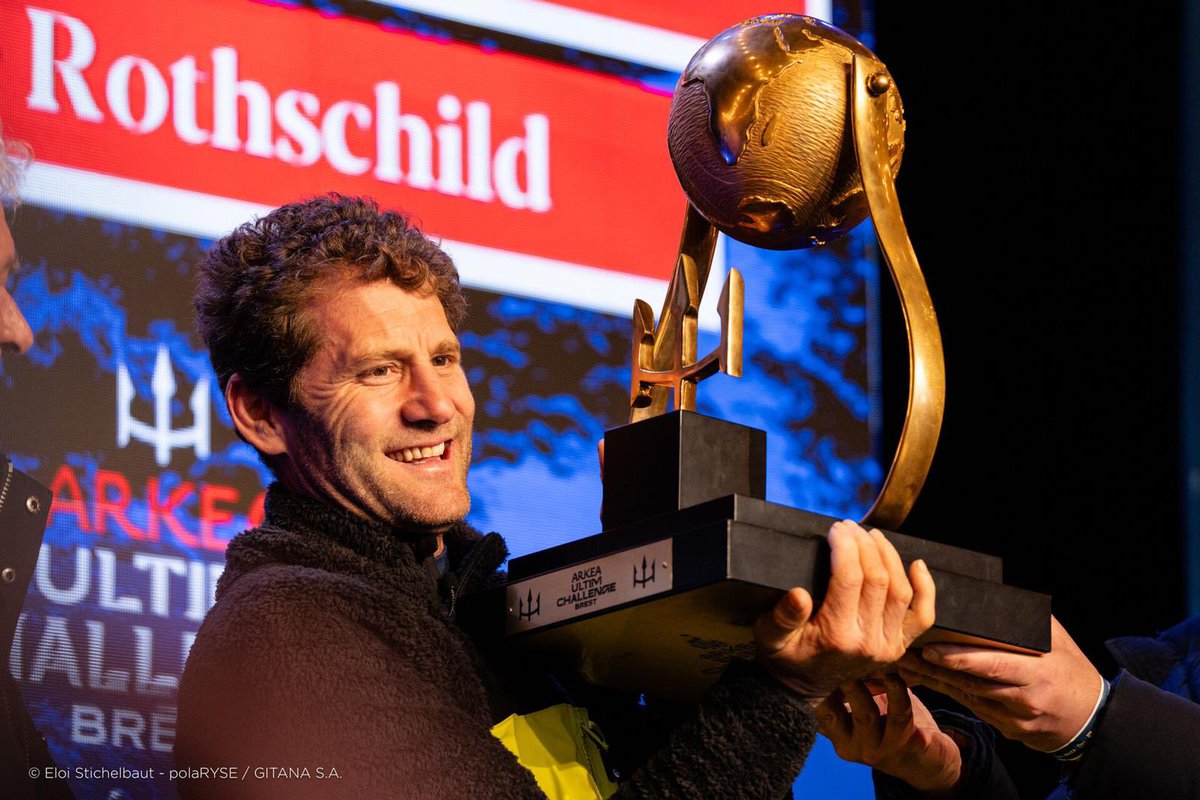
{"x": 926, "y": 365}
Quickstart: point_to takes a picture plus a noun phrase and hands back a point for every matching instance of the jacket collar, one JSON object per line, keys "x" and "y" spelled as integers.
{"x": 306, "y": 532}
{"x": 379, "y": 542}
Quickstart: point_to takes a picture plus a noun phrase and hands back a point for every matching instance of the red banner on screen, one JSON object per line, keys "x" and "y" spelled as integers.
{"x": 267, "y": 104}
{"x": 704, "y": 19}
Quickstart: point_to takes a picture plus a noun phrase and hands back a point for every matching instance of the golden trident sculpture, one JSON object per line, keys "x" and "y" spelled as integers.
{"x": 786, "y": 132}
{"x": 673, "y": 342}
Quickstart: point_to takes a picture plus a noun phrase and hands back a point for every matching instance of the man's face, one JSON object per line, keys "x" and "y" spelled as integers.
{"x": 382, "y": 422}
{"x": 15, "y": 335}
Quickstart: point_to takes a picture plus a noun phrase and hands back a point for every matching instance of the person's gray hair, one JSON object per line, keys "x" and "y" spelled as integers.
{"x": 14, "y": 158}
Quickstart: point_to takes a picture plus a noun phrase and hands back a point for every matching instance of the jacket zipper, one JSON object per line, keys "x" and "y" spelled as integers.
{"x": 7, "y": 482}
{"x": 469, "y": 568}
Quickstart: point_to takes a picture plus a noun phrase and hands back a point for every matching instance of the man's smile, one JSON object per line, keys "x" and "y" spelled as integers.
{"x": 422, "y": 453}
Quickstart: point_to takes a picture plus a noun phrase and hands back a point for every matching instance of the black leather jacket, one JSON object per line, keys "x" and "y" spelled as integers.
{"x": 24, "y": 509}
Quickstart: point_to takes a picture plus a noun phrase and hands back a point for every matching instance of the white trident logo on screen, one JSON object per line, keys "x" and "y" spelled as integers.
{"x": 160, "y": 434}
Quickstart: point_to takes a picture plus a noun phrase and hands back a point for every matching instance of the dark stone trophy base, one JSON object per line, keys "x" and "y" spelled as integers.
{"x": 690, "y": 556}
{"x": 678, "y": 460}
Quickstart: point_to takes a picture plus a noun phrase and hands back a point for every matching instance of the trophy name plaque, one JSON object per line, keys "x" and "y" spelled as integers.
{"x": 785, "y": 133}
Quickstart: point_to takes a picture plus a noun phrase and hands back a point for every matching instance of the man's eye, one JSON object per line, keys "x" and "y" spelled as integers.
{"x": 382, "y": 371}
{"x": 443, "y": 360}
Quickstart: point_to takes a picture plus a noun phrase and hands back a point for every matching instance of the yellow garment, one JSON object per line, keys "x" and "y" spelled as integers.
{"x": 561, "y": 747}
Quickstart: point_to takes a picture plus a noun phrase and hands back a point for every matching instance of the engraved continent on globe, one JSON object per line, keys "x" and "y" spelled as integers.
{"x": 760, "y": 132}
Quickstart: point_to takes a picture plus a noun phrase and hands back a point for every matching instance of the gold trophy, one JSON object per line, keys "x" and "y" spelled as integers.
{"x": 785, "y": 132}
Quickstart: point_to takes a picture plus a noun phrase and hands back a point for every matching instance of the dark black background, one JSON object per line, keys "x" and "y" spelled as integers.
{"x": 1041, "y": 189}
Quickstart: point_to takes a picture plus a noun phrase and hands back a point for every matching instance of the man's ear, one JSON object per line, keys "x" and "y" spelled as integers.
{"x": 257, "y": 419}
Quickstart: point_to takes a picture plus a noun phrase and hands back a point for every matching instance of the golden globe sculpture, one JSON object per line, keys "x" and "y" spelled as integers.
{"x": 785, "y": 133}
{"x": 760, "y": 132}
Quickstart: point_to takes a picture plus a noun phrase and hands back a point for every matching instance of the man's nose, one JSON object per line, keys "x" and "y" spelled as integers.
{"x": 15, "y": 334}
{"x": 429, "y": 397}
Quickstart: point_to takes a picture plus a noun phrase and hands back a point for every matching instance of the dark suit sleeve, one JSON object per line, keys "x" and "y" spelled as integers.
{"x": 1147, "y": 745}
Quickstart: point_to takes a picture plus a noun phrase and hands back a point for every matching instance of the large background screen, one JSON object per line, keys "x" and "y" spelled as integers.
{"x": 528, "y": 136}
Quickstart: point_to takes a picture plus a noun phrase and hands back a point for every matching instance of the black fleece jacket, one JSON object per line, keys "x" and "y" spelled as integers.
{"x": 332, "y": 646}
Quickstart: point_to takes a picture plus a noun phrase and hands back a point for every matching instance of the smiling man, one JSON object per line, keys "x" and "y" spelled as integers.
{"x": 381, "y": 423}
{"x": 331, "y": 664}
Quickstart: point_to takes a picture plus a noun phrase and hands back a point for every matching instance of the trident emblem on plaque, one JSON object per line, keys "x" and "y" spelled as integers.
{"x": 526, "y": 609}
{"x": 646, "y": 577}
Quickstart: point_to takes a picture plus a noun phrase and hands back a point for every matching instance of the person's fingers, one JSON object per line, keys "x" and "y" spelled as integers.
{"x": 874, "y": 593}
{"x": 864, "y": 711}
{"x": 997, "y": 666}
{"x": 923, "y": 609}
{"x": 965, "y": 681}
{"x": 791, "y": 613}
{"x": 921, "y": 715}
{"x": 900, "y": 711}
{"x": 911, "y": 664}
{"x": 987, "y": 708}
{"x": 600, "y": 452}
{"x": 900, "y": 592}
{"x": 930, "y": 681}
{"x": 864, "y": 706}
{"x": 911, "y": 677}
{"x": 833, "y": 720}
{"x": 846, "y": 576}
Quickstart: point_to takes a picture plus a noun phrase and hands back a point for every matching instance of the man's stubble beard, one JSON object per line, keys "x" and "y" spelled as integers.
{"x": 407, "y": 515}
{"x": 402, "y": 511}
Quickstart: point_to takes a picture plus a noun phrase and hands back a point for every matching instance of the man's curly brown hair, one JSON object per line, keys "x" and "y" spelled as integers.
{"x": 255, "y": 283}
